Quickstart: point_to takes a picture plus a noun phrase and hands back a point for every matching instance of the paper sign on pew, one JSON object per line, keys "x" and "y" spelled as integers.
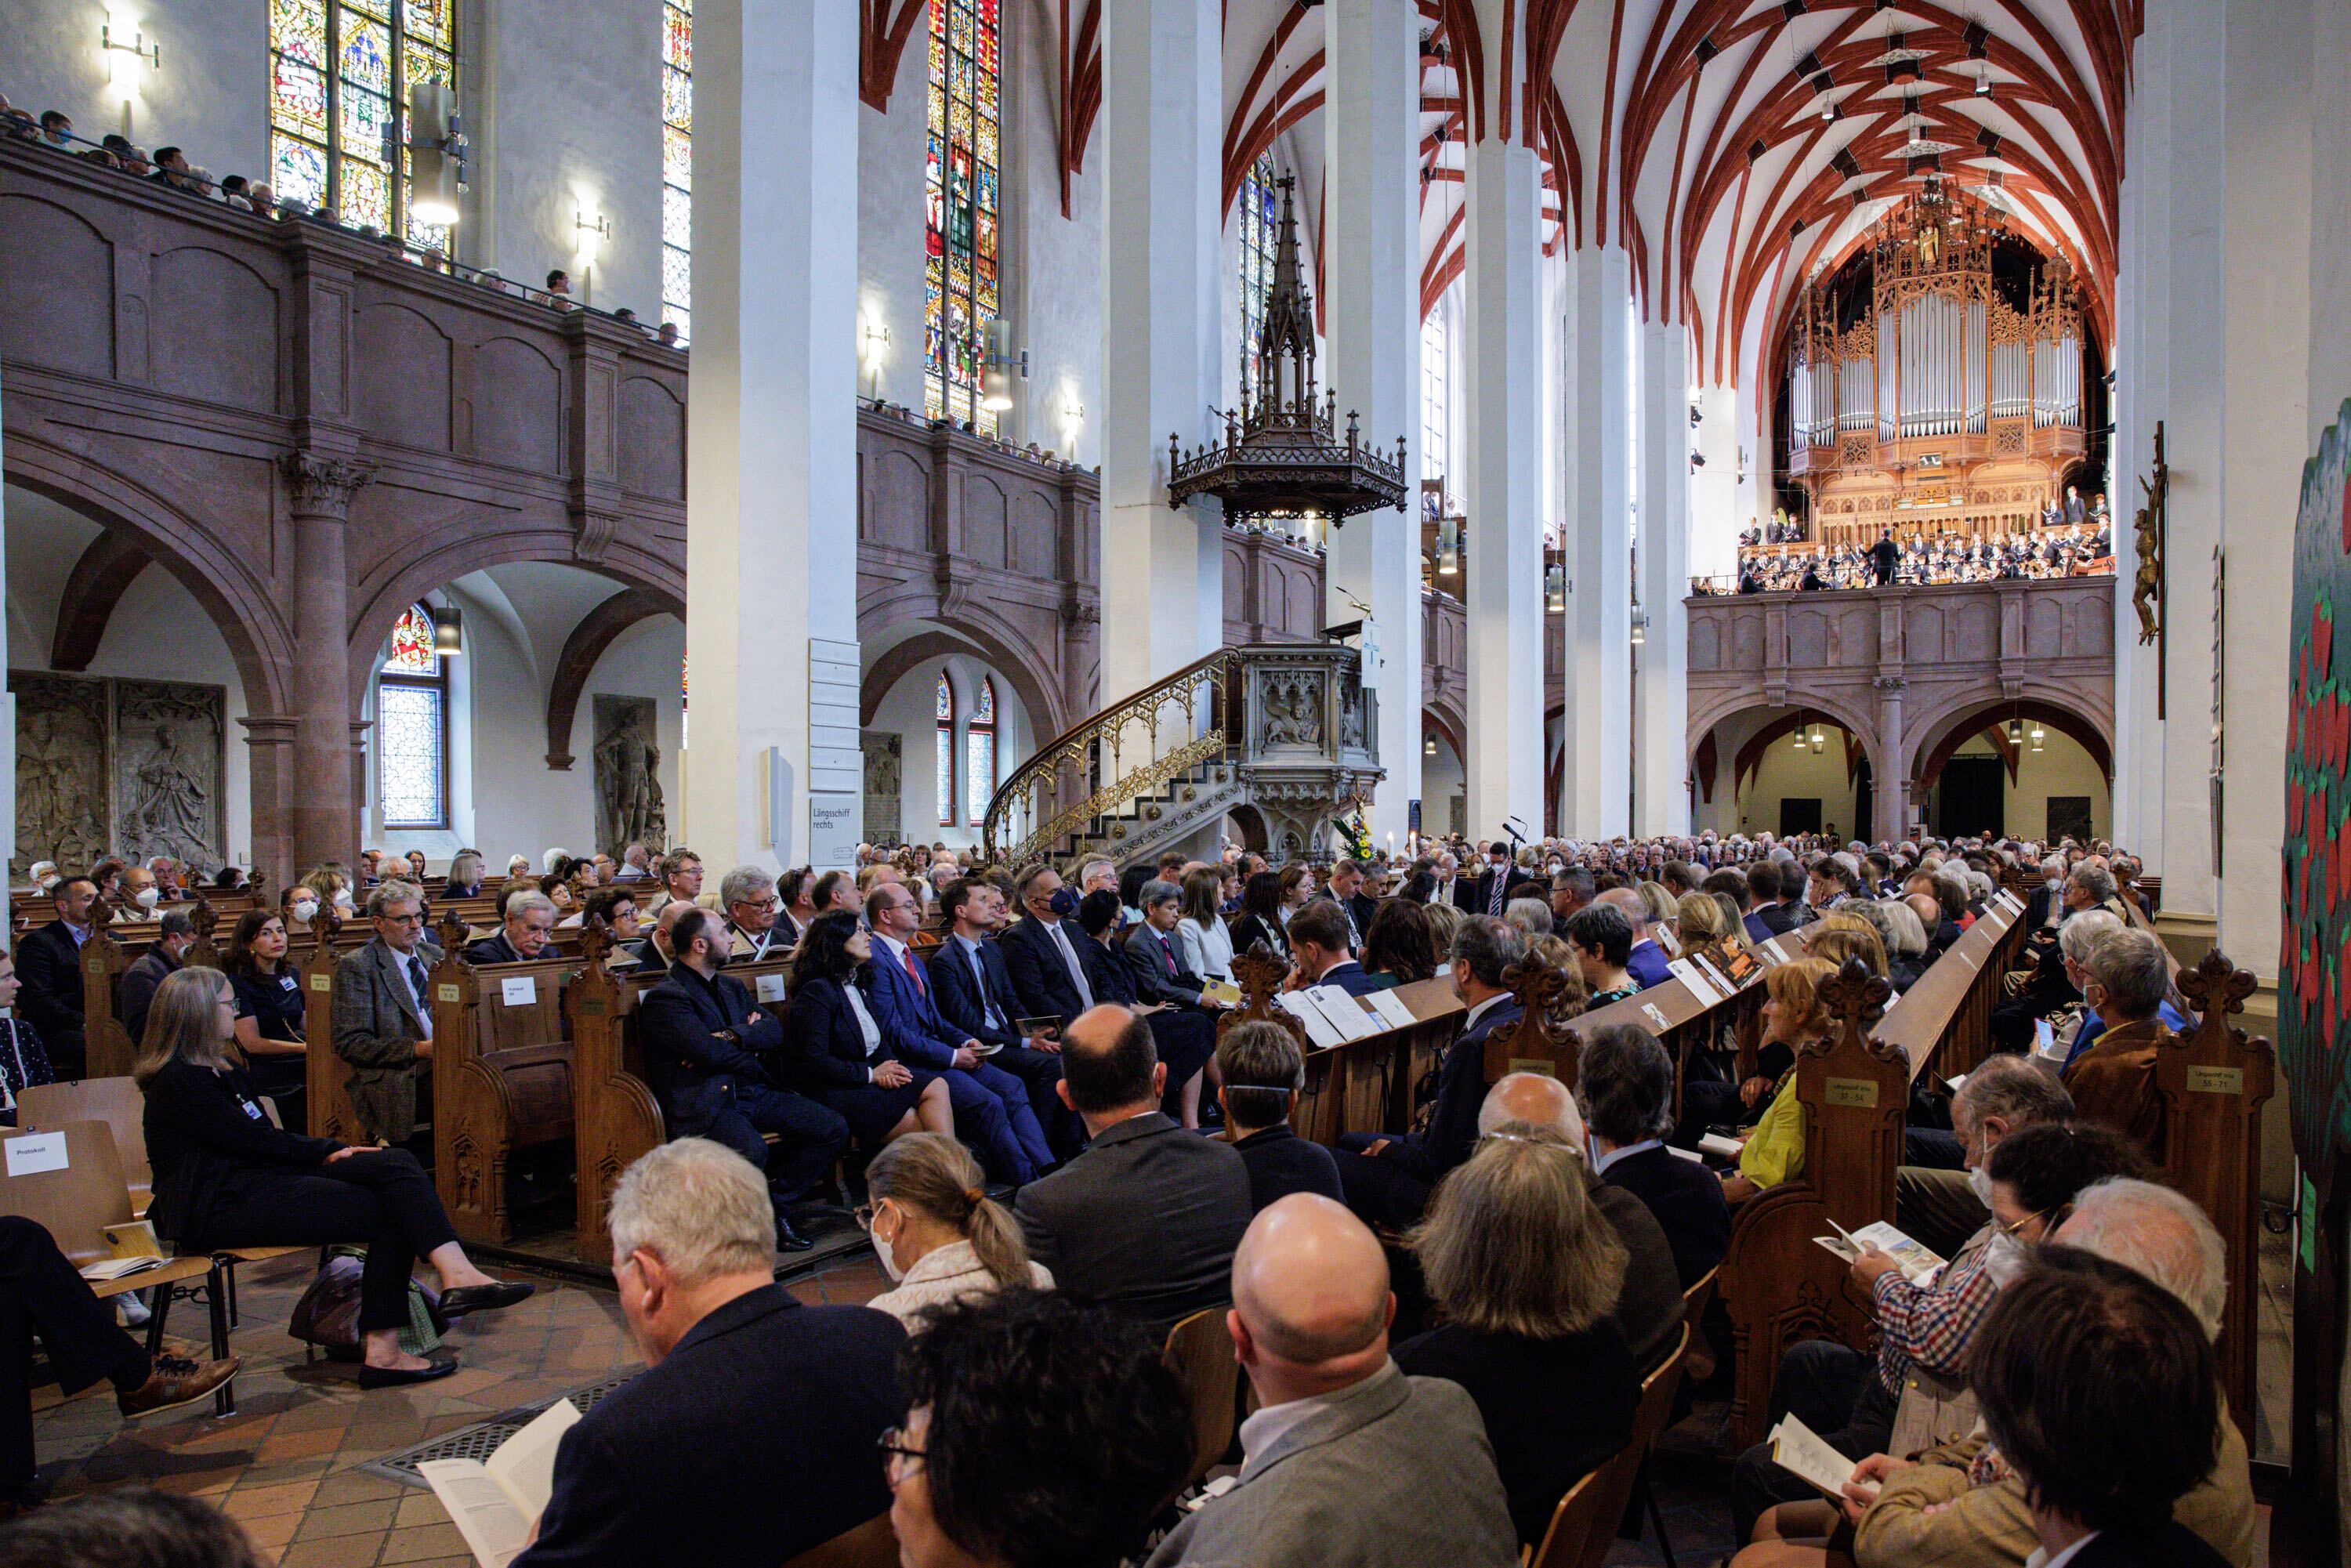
{"x": 771, "y": 988}
{"x": 1773, "y": 951}
{"x": 518, "y": 991}
{"x": 1704, "y": 990}
{"x": 35, "y": 1153}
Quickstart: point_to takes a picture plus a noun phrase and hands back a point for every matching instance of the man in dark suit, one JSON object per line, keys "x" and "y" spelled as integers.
{"x": 1496, "y": 886}
{"x": 1883, "y": 557}
{"x": 1388, "y": 1176}
{"x": 1625, "y": 1087}
{"x": 528, "y": 927}
{"x": 176, "y": 933}
{"x": 705, "y": 1047}
{"x": 1318, "y": 950}
{"x": 1263, "y": 1070}
{"x": 2046, "y": 907}
{"x": 1150, "y": 957}
{"x": 1041, "y": 952}
{"x": 48, "y": 962}
{"x": 973, "y": 990}
{"x": 1787, "y": 910}
{"x": 1347, "y": 888}
{"x": 749, "y": 1397}
{"x": 991, "y": 1105}
{"x": 1184, "y": 1038}
{"x": 1146, "y": 1220}
{"x": 1645, "y": 961}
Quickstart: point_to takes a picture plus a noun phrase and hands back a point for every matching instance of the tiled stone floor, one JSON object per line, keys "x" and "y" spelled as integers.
{"x": 287, "y": 1465}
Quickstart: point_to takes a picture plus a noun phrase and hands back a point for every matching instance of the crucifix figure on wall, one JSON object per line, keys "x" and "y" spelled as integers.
{"x": 2146, "y": 583}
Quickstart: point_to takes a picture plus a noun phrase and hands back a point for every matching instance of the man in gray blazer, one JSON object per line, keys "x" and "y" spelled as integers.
{"x": 383, "y": 1013}
{"x": 1146, "y": 1220}
{"x": 1347, "y": 1459}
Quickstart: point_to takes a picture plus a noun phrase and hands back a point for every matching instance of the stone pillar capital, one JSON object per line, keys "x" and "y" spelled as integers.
{"x": 323, "y": 487}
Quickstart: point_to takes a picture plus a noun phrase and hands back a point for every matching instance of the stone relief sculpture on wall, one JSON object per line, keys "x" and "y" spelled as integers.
{"x": 168, "y": 768}
{"x": 61, "y": 768}
{"x": 1292, "y": 705}
{"x": 885, "y": 776}
{"x": 628, "y": 805}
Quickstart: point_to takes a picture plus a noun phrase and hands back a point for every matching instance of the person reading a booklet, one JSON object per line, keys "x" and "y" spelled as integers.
{"x": 1318, "y": 952}
{"x": 1926, "y": 1331}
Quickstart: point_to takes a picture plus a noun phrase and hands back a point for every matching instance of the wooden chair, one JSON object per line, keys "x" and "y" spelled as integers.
{"x": 79, "y": 1203}
{"x": 118, "y": 1102}
{"x": 872, "y": 1544}
{"x": 1699, "y": 1360}
{"x": 1201, "y": 1351}
{"x": 1572, "y": 1524}
{"x": 1583, "y": 1526}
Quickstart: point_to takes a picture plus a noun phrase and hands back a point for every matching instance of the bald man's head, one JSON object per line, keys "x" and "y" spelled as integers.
{"x": 1634, "y": 908}
{"x": 1108, "y": 1062}
{"x": 1531, "y": 1101}
{"x": 1310, "y": 1283}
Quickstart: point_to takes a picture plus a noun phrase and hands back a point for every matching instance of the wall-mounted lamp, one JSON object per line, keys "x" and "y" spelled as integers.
{"x": 436, "y": 163}
{"x": 872, "y": 346}
{"x": 997, "y": 366}
{"x": 588, "y": 234}
{"x": 448, "y": 631}
{"x": 1640, "y": 624}
{"x": 139, "y": 48}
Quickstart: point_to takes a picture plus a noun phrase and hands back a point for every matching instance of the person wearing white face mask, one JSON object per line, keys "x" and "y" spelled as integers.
{"x": 1942, "y": 1208}
{"x": 940, "y": 1236}
{"x": 301, "y": 908}
{"x": 44, "y": 874}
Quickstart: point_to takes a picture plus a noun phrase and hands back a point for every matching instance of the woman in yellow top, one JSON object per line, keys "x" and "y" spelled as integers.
{"x": 1792, "y": 1018}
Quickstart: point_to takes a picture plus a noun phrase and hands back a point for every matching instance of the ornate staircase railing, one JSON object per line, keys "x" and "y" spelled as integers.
{"x": 1048, "y": 797}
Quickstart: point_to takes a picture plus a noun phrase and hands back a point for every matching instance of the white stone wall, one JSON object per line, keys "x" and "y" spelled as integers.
{"x": 908, "y": 710}
{"x": 209, "y": 96}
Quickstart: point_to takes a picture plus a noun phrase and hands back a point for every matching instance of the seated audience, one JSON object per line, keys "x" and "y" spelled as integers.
{"x": 990, "y": 1103}
{"x": 130, "y": 1527}
{"x": 1649, "y": 1308}
{"x": 48, "y": 965}
{"x": 465, "y": 872}
{"x": 41, "y": 1293}
{"x": 1940, "y": 1207}
{"x": 1320, "y": 954}
{"x": 524, "y": 934}
{"x": 1400, "y": 944}
{"x": 940, "y": 1236}
{"x": 796, "y": 889}
{"x": 1345, "y": 888}
{"x": 710, "y": 1061}
{"x": 1146, "y": 1220}
{"x": 225, "y": 1178}
{"x": 1203, "y": 944}
{"x": 1791, "y": 1018}
{"x": 1261, "y": 1070}
{"x": 753, "y": 1433}
{"x": 1963, "y": 1501}
{"x": 972, "y": 988}
{"x": 617, "y": 908}
{"x": 383, "y": 1015}
{"x": 1526, "y": 1274}
{"x": 1261, "y": 921}
{"x": 1184, "y": 1038}
{"x": 1532, "y": 915}
{"x": 1625, "y": 1087}
{"x": 1040, "y": 1434}
{"x": 838, "y": 1055}
{"x": 1601, "y": 936}
{"x": 1043, "y": 951}
{"x": 269, "y": 1012}
{"x": 1387, "y": 1177}
{"x": 1927, "y": 1332}
{"x": 1150, "y": 953}
{"x": 2124, "y": 983}
{"x": 176, "y": 933}
{"x": 1347, "y": 1458}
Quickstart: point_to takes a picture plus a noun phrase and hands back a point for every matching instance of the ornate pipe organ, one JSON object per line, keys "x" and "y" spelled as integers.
{"x": 1937, "y": 406}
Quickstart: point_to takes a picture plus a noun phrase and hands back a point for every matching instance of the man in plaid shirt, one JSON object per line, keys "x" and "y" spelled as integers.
{"x": 1836, "y": 1390}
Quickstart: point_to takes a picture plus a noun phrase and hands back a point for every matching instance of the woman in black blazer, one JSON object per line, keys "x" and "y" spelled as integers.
{"x": 1260, "y": 916}
{"x": 269, "y": 1011}
{"x": 836, "y": 1055}
{"x": 224, "y": 1176}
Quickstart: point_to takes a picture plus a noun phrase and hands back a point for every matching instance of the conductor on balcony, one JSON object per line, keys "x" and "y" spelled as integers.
{"x": 1883, "y": 557}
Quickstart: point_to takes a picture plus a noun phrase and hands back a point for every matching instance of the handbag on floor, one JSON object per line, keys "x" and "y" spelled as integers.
{"x": 328, "y": 1315}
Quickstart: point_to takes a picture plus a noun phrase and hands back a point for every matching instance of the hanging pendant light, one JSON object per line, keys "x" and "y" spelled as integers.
{"x": 2016, "y": 732}
{"x": 1802, "y": 744}
{"x": 448, "y": 631}
{"x": 1820, "y": 740}
{"x": 1448, "y": 547}
{"x": 1429, "y": 745}
{"x": 1555, "y": 585}
{"x": 2037, "y": 733}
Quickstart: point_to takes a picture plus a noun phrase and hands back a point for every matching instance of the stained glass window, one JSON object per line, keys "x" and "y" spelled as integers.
{"x": 677, "y": 165}
{"x": 979, "y": 753}
{"x": 1259, "y": 214}
{"x": 339, "y": 70}
{"x": 944, "y": 706}
{"x": 412, "y": 727}
{"x": 959, "y": 175}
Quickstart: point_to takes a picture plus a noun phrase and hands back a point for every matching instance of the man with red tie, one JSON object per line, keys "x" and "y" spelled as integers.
{"x": 1150, "y": 957}
{"x": 991, "y": 1105}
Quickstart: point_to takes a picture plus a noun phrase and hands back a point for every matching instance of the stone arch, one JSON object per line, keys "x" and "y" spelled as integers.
{"x": 1037, "y": 696}
{"x": 1829, "y": 705}
{"x": 1034, "y": 672}
{"x": 239, "y": 602}
{"x": 1956, "y": 725}
{"x": 596, "y": 632}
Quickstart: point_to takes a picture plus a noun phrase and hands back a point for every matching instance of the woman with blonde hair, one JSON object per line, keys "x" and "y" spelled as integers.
{"x": 1444, "y": 920}
{"x": 940, "y": 1236}
{"x": 1793, "y": 1017}
{"x": 226, "y": 1176}
{"x": 1843, "y": 937}
{"x": 1698, "y": 922}
{"x": 1526, "y": 1272}
{"x": 1905, "y": 942}
{"x": 1663, "y": 906}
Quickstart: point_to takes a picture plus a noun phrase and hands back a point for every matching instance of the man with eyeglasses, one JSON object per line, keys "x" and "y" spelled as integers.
{"x": 749, "y": 896}
{"x": 383, "y": 1014}
{"x": 752, "y": 1434}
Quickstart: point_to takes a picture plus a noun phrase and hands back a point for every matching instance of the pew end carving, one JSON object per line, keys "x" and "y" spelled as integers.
{"x": 1541, "y": 1040}
{"x": 501, "y": 1081}
{"x": 326, "y": 1076}
{"x": 107, "y": 1048}
{"x": 614, "y": 1114}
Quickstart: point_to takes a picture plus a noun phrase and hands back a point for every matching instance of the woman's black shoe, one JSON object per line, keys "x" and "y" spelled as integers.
{"x": 789, "y": 1239}
{"x": 487, "y": 1298}
{"x": 396, "y": 1377}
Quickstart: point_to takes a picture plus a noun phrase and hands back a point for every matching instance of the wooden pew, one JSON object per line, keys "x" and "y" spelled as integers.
{"x": 615, "y": 1118}
{"x": 1778, "y": 1285}
{"x": 327, "y": 1112}
{"x": 2212, "y": 1082}
{"x": 501, "y": 1078}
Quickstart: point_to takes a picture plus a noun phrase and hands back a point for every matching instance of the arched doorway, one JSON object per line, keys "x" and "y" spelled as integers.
{"x": 1784, "y": 770}
{"x": 2029, "y": 770}
{"x": 940, "y": 728}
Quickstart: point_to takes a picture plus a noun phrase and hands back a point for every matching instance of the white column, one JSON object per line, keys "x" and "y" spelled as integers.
{"x": 1715, "y": 516}
{"x": 1163, "y": 569}
{"x": 1660, "y": 686}
{"x": 1596, "y": 780}
{"x": 1503, "y": 583}
{"x": 771, "y": 457}
{"x": 1370, "y": 242}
